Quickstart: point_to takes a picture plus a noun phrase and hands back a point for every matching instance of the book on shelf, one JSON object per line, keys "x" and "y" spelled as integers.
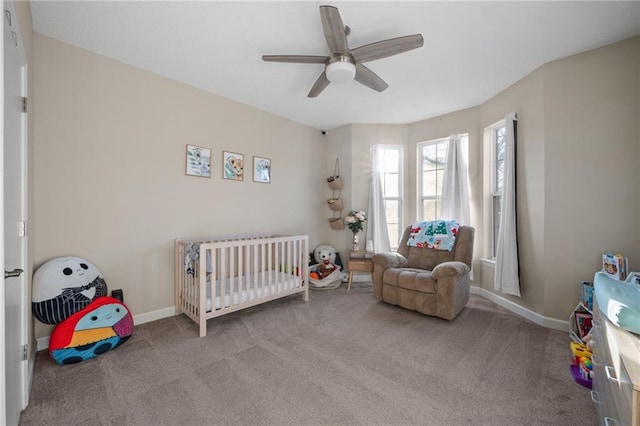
{"x": 615, "y": 266}
{"x": 584, "y": 322}
{"x": 586, "y": 294}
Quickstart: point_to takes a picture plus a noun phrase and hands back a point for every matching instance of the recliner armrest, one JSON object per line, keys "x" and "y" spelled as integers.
{"x": 449, "y": 269}
{"x": 390, "y": 260}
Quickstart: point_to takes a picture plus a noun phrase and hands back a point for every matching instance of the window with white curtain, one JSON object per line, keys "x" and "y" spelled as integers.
{"x": 388, "y": 161}
{"x": 432, "y": 156}
{"x": 495, "y": 136}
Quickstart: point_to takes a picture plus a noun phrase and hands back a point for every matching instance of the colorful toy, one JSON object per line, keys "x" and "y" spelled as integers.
{"x": 585, "y": 368}
{"x": 103, "y": 325}
{"x": 586, "y": 361}
{"x": 63, "y": 286}
{"x": 579, "y": 351}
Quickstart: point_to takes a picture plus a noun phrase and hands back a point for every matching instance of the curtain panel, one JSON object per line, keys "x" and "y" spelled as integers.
{"x": 507, "y": 268}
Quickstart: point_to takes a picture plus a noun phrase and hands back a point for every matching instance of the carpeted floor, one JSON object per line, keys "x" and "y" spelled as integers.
{"x": 342, "y": 358}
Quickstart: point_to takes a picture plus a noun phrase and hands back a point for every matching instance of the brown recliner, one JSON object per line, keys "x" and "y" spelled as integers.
{"x": 432, "y": 282}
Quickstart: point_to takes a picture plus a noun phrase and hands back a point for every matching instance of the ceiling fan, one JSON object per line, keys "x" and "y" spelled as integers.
{"x": 344, "y": 64}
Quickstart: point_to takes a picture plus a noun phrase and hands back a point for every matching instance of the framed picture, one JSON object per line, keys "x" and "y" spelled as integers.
{"x": 261, "y": 170}
{"x": 198, "y": 161}
{"x": 232, "y": 165}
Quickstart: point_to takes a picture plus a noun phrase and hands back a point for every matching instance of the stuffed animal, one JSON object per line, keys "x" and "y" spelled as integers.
{"x": 103, "y": 325}
{"x": 326, "y": 268}
{"x": 63, "y": 286}
{"x": 325, "y": 252}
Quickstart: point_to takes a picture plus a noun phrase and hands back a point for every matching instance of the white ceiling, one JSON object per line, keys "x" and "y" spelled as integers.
{"x": 472, "y": 50}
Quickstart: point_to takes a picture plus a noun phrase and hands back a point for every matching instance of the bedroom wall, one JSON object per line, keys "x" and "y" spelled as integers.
{"x": 591, "y": 135}
{"x": 464, "y": 121}
{"x": 337, "y": 144}
{"x": 525, "y": 98}
{"x": 352, "y": 144}
{"x": 578, "y": 137}
{"x": 109, "y": 171}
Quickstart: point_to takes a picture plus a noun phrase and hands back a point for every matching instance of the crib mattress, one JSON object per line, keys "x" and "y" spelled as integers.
{"x": 249, "y": 287}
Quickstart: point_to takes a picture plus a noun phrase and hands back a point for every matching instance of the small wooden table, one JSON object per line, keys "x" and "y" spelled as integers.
{"x": 359, "y": 261}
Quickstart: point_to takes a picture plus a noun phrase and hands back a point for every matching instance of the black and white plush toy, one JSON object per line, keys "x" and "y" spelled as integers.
{"x": 64, "y": 286}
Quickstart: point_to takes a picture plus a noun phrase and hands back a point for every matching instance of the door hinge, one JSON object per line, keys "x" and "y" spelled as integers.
{"x": 24, "y": 104}
{"x": 22, "y": 229}
{"x": 25, "y": 352}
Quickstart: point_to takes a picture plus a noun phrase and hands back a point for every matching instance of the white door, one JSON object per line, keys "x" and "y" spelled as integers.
{"x": 14, "y": 234}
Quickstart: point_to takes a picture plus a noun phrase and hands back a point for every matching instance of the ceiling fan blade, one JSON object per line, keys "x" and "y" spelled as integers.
{"x": 386, "y": 48}
{"x": 370, "y": 79}
{"x": 321, "y": 83}
{"x": 333, "y": 29}
{"x": 297, "y": 59}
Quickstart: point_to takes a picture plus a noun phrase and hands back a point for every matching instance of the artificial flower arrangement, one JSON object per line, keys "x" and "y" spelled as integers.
{"x": 355, "y": 220}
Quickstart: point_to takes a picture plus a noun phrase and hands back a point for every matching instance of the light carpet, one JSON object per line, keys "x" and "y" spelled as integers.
{"x": 340, "y": 359}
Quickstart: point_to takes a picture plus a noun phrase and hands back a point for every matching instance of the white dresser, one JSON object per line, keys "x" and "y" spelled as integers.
{"x": 616, "y": 373}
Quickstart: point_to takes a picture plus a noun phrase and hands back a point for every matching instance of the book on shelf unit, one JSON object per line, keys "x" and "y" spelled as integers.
{"x": 615, "y": 266}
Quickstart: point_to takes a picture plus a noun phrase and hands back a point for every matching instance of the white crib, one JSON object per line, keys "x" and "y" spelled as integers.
{"x": 237, "y": 273}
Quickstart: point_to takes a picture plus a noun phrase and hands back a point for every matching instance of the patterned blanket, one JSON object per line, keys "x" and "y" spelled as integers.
{"x": 437, "y": 234}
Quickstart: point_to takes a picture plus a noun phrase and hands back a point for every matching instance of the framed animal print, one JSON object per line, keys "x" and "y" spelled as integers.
{"x": 261, "y": 170}
{"x": 198, "y": 161}
{"x": 232, "y": 165}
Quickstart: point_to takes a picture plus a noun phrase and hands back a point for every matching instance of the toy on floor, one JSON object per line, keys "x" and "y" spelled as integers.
{"x": 63, "y": 286}
{"x": 324, "y": 272}
{"x": 103, "y": 325}
{"x": 325, "y": 252}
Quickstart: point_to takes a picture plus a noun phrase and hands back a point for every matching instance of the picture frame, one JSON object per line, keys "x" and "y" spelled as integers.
{"x": 261, "y": 170}
{"x": 198, "y": 161}
{"x": 232, "y": 165}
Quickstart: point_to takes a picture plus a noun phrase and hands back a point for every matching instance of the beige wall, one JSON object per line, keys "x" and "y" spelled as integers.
{"x": 352, "y": 144}
{"x": 337, "y": 145}
{"x": 110, "y": 181}
{"x": 526, "y": 99}
{"x": 464, "y": 121}
{"x": 578, "y": 137}
{"x": 591, "y": 188}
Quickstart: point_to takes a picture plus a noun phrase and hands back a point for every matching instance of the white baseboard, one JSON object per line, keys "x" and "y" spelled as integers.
{"x": 43, "y": 342}
{"x": 534, "y": 317}
{"x": 154, "y": 315}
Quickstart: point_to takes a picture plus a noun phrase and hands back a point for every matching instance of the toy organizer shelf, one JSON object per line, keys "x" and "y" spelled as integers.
{"x": 334, "y": 181}
{"x": 580, "y": 326}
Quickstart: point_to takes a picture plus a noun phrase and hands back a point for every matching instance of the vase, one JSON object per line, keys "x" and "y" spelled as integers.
{"x": 356, "y": 242}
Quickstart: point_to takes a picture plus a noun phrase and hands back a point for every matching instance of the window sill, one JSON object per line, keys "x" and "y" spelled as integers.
{"x": 488, "y": 262}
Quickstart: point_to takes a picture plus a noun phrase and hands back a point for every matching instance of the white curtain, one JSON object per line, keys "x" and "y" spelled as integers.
{"x": 506, "y": 276}
{"x": 455, "y": 184}
{"x": 377, "y": 231}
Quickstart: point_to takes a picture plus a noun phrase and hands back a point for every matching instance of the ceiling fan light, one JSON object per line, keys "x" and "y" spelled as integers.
{"x": 340, "y": 72}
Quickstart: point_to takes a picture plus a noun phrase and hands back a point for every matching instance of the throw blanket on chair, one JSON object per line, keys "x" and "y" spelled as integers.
{"x": 437, "y": 234}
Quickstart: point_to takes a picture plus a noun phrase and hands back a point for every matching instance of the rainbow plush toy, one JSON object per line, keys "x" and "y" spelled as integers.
{"x": 103, "y": 325}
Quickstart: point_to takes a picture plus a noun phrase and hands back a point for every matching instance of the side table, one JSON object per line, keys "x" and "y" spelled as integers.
{"x": 359, "y": 261}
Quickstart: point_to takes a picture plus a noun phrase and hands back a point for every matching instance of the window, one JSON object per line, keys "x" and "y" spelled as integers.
{"x": 496, "y": 137}
{"x": 432, "y": 156}
{"x": 387, "y": 159}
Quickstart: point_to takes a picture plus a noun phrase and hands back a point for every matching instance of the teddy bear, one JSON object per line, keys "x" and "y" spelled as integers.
{"x": 324, "y": 252}
{"x": 327, "y": 252}
{"x": 325, "y": 269}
